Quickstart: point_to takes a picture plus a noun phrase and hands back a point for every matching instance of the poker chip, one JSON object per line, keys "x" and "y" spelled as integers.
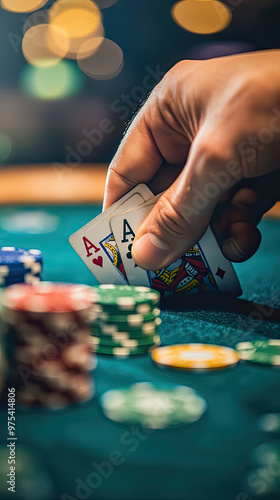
{"x": 121, "y": 351}
{"x": 195, "y": 356}
{"x": 260, "y": 351}
{"x": 133, "y": 320}
{"x": 149, "y": 328}
{"x": 146, "y": 330}
{"x": 128, "y": 342}
{"x": 48, "y": 297}
{"x": 125, "y": 298}
{"x": 46, "y": 334}
{"x": 19, "y": 265}
{"x": 17, "y": 258}
{"x": 154, "y": 406}
{"x": 28, "y": 278}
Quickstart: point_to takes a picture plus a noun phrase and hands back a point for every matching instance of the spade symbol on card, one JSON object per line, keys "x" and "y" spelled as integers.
{"x": 129, "y": 254}
{"x": 98, "y": 261}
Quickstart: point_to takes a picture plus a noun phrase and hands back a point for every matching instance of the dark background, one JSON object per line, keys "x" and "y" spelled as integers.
{"x": 41, "y": 130}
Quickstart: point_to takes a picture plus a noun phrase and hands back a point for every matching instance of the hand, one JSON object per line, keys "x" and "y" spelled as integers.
{"x": 218, "y": 121}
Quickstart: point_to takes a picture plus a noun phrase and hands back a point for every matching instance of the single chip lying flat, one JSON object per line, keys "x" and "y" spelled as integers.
{"x": 195, "y": 356}
{"x": 155, "y": 406}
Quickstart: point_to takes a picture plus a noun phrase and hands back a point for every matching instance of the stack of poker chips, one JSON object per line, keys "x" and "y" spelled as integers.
{"x": 18, "y": 265}
{"x": 125, "y": 320}
{"x": 46, "y": 332}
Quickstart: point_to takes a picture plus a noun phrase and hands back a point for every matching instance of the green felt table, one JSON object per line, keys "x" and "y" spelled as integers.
{"x": 210, "y": 459}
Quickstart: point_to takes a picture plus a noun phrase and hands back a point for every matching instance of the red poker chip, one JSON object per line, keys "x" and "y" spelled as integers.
{"x": 46, "y": 297}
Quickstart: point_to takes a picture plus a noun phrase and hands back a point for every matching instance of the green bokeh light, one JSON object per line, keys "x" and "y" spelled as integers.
{"x": 57, "y": 82}
{"x": 5, "y": 147}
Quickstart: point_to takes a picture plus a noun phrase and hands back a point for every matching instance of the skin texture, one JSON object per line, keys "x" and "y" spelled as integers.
{"x": 210, "y": 133}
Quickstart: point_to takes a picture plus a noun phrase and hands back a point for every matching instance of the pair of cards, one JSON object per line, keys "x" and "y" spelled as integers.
{"x": 105, "y": 245}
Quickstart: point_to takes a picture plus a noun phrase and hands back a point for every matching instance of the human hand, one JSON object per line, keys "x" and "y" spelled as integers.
{"x": 219, "y": 121}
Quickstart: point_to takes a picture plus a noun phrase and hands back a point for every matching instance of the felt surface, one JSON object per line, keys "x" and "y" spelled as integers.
{"x": 206, "y": 460}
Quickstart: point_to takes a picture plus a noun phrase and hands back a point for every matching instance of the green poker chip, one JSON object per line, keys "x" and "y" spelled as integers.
{"x": 113, "y": 310}
{"x": 154, "y": 406}
{"x": 126, "y": 298}
{"x": 121, "y": 351}
{"x": 118, "y": 342}
{"x": 111, "y": 329}
{"x": 132, "y": 320}
{"x": 260, "y": 351}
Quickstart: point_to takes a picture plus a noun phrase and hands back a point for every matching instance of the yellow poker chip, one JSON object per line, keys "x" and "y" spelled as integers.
{"x": 195, "y": 356}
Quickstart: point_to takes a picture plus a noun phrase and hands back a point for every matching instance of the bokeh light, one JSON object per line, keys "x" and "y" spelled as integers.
{"x": 22, "y": 5}
{"x": 201, "y": 16}
{"x": 5, "y": 147}
{"x": 79, "y": 18}
{"x": 38, "y": 17}
{"x": 106, "y": 63}
{"x": 56, "y": 82}
{"x": 78, "y": 45}
{"x": 44, "y": 45}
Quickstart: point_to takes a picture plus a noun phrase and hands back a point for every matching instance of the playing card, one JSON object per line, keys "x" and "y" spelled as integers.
{"x": 124, "y": 234}
{"x": 95, "y": 242}
{"x": 202, "y": 268}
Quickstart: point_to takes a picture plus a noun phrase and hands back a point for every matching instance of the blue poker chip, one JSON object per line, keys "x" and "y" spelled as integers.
{"x": 19, "y": 278}
{"x": 18, "y": 260}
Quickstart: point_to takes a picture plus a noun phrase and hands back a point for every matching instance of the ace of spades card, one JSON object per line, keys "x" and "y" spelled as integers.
{"x": 202, "y": 268}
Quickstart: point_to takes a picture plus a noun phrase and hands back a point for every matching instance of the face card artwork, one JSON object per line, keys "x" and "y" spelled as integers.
{"x": 202, "y": 268}
{"x": 110, "y": 246}
{"x": 188, "y": 274}
{"x": 95, "y": 241}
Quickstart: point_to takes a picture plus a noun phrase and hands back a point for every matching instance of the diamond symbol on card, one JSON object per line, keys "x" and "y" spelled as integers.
{"x": 220, "y": 273}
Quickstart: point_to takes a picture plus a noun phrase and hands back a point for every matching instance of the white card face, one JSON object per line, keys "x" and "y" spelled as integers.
{"x": 95, "y": 242}
{"x": 124, "y": 236}
{"x": 203, "y": 268}
{"x": 124, "y": 227}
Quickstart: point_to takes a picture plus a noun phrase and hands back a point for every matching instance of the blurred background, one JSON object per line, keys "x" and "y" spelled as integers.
{"x": 73, "y": 72}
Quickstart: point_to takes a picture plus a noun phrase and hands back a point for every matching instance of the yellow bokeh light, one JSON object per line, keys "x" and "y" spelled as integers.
{"x": 78, "y": 45}
{"x": 201, "y": 16}
{"x": 43, "y": 45}
{"x": 79, "y": 18}
{"x": 106, "y": 63}
{"x": 22, "y": 5}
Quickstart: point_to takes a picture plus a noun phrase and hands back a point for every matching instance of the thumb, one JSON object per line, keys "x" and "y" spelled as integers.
{"x": 183, "y": 213}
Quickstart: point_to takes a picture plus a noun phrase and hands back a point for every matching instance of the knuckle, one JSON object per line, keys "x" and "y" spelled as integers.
{"x": 172, "y": 78}
{"x": 213, "y": 157}
{"x": 113, "y": 172}
{"x": 183, "y": 66}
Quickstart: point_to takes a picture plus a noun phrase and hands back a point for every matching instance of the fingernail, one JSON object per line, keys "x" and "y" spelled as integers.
{"x": 232, "y": 250}
{"x": 150, "y": 251}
